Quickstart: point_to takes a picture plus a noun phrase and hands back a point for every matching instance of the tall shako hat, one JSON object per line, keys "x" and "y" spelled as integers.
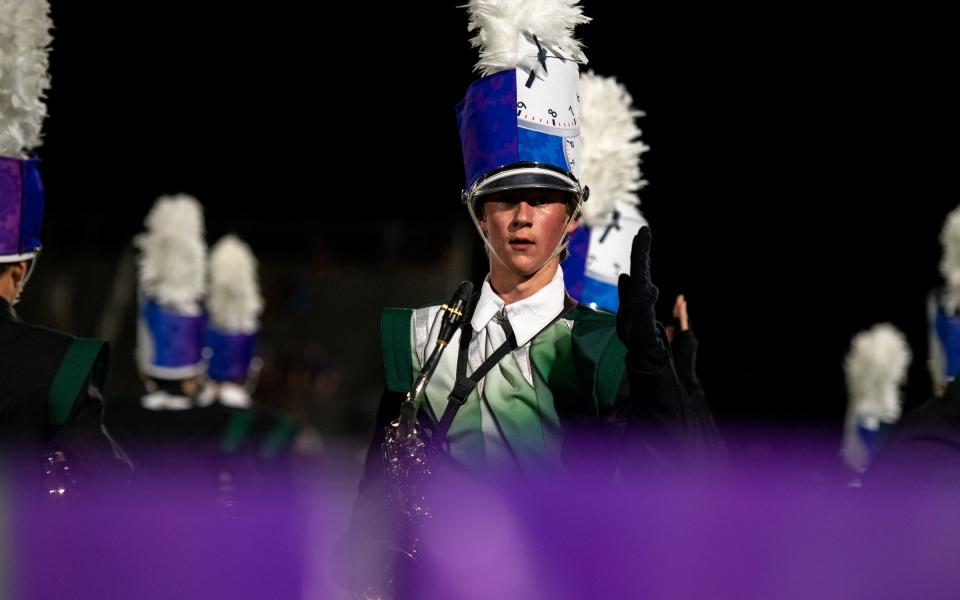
{"x": 610, "y": 159}
{"x": 234, "y": 305}
{"x": 875, "y": 368}
{"x": 944, "y": 307}
{"x": 520, "y": 122}
{"x": 172, "y": 285}
{"x": 24, "y": 42}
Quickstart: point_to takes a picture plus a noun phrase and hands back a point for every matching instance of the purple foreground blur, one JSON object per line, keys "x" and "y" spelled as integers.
{"x": 749, "y": 534}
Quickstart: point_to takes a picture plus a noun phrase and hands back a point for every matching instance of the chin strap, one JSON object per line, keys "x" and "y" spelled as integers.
{"x": 31, "y": 265}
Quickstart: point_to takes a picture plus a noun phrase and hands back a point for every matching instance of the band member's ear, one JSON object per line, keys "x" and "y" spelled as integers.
{"x": 482, "y": 217}
{"x": 18, "y": 271}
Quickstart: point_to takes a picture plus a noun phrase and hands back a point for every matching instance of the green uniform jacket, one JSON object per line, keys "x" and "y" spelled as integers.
{"x": 612, "y": 421}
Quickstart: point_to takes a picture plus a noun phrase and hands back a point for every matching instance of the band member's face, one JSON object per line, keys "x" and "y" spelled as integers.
{"x": 525, "y": 225}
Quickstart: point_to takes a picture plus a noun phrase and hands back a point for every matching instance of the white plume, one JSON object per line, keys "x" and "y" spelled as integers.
{"x": 24, "y": 41}
{"x": 173, "y": 253}
{"x": 950, "y": 262}
{"x": 611, "y": 146}
{"x": 876, "y": 367}
{"x": 500, "y": 23}
{"x": 234, "y": 302}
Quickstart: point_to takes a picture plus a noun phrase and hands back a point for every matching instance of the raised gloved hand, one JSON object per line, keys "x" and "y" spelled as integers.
{"x": 636, "y": 317}
{"x": 684, "y": 345}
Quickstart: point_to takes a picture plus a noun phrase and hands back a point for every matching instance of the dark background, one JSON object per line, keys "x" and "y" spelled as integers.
{"x": 802, "y": 163}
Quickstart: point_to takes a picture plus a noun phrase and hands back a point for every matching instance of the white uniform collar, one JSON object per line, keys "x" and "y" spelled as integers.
{"x": 528, "y": 316}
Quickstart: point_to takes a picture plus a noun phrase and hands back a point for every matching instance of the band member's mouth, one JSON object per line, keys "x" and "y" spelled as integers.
{"x": 521, "y": 243}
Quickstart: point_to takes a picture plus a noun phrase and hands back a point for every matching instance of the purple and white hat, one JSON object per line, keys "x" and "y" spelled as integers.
{"x": 520, "y": 122}
{"x": 172, "y": 287}
{"x": 24, "y": 42}
{"x": 234, "y": 305}
{"x": 944, "y": 308}
{"x": 875, "y": 367}
{"x": 600, "y": 247}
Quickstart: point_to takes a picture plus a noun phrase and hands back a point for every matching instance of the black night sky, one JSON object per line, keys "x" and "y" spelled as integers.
{"x": 800, "y": 170}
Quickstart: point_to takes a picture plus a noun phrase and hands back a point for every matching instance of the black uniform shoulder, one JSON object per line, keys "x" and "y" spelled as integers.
{"x": 22, "y": 337}
{"x": 42, "y": 371}
{"x": 30, "y": 357}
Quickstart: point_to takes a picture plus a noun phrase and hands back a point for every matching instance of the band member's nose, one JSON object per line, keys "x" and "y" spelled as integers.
{"x": 522, "y": 215}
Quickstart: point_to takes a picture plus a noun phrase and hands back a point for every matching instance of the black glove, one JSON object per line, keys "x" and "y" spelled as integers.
{"x": 636, "y": 317}
{"x": 685, "y": 346}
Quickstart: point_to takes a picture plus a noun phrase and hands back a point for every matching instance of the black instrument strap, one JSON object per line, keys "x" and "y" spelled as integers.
{"x": 465, "y": 385}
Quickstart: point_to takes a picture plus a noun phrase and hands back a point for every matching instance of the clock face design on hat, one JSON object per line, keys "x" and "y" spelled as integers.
{"x": 611, "y": 241}
{"x": 547, "y": 96}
